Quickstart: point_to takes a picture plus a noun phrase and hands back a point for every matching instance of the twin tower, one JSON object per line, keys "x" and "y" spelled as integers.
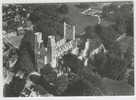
{"x": 55, "y": 49}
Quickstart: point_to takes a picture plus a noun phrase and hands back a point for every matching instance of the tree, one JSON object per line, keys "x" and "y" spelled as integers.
{"x": 131, "y": 78}
{"x": 47, "y": 20}
{"x": 122, "y": 15}
{"x": 107, "y": 35}
{"x": 63, "y": 9}
{"x": 109, "y": 11}
{"x": 110, "y": 66}
{"x": 90, "y": 32}
{"x": 14, "y": 16}
{"x": 26, "y": 60}
{"x": 84, "y": 5}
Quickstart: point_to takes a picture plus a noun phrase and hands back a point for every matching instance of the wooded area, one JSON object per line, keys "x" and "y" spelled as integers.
{"x": 110, "y": 73}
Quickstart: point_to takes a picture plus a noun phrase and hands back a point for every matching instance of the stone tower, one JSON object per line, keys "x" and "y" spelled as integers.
{"x": 69, "y": 31}
{"x": 38, "y": 48}
{"x": 51, "y": 51}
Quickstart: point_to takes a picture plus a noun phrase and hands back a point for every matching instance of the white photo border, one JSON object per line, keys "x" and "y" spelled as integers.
{"x": 62, "y": 98}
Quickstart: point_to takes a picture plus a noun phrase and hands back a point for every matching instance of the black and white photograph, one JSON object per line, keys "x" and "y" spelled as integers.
{"x": 68, "y": 49}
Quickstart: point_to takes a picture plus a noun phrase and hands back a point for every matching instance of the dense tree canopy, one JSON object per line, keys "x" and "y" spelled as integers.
{"x": 72, "y": 78}
{"x": 122, "y": 15}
